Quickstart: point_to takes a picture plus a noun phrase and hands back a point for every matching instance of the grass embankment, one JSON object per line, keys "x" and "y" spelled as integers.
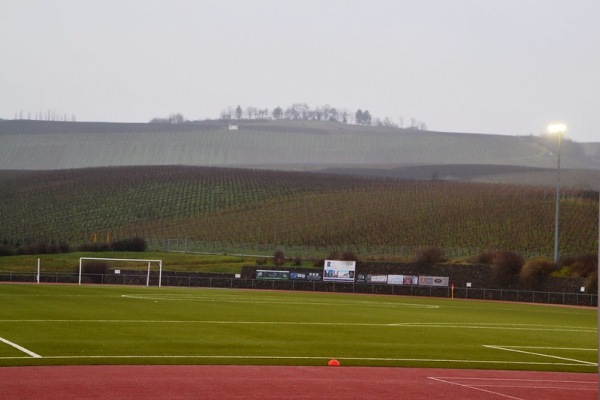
{"x": 68, "y": 262}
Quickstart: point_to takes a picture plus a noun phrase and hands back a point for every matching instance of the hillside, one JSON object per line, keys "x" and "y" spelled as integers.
{"x": 231, "y": 210}
{"x": 287, "y": 145}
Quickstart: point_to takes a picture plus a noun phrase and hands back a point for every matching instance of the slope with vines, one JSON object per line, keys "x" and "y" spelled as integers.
{"x": 237, "y": 209}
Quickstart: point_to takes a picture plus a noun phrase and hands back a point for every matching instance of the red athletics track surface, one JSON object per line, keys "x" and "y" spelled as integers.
{"x": 260, "y": 382}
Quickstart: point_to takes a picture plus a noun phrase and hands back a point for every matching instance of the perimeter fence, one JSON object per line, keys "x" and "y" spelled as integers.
{"x": 186, "y": 280}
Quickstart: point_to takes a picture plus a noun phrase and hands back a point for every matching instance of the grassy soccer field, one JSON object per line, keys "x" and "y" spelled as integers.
{"x": 57, "y": 325}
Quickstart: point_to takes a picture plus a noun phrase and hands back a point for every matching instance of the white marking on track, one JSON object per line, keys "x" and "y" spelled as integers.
{"x": 518, "y": 349}
{"x": 480, "y": 384}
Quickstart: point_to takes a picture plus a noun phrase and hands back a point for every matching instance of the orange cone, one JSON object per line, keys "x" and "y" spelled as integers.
{"x": 333, "y": 363}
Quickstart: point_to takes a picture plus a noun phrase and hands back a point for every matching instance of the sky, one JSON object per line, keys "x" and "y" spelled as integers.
{"x": 506, "y": 67}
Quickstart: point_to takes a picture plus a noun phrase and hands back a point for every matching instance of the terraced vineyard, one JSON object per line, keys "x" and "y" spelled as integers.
{"x": 227, "y": 210}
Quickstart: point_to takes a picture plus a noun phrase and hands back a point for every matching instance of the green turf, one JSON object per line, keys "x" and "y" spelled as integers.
{"x": 139, "y": 325}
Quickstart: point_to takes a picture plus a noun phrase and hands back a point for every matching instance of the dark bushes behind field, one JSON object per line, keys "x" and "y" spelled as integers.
{"x": 34, "y": 248}
{"x": 429, "y": 256}
{"x": 136, "y": 244}
{"x": 506, "y": 266}
{"x": 535, "y": 271}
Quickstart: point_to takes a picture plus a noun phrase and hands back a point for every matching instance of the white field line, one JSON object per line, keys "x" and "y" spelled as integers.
{"x": 474, "y": 388}
{"x": 238, "y": 357}
{"x": 506, "y": 383}
{"x": 516, "y": 350}
{"x": 279, "y": 301}
{"x": 514, "y": 327}
{"x": 21, "y": 348}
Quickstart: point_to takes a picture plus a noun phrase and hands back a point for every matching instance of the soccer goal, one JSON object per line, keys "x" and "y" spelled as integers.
{"x": 150, "y": 262}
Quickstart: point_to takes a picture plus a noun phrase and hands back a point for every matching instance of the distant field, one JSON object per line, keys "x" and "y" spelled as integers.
{"x": 42, "y": 145}
{"x": 66, "y": 325}
{"x": 252, "y": 211}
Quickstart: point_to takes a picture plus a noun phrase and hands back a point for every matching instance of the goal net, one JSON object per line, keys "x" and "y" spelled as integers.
{"x": 149, "y": 262}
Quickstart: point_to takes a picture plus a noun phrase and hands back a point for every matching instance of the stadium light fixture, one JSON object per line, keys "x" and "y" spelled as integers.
{"x": 558, "y": 130}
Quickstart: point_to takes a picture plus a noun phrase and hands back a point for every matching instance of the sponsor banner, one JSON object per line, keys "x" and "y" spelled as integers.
{"x": 298, "y": 275}
{"x": 314, "y": 276}
{"x": 377, "y": 278}
{"x": 341, "y": 271}
{"x": 308, "y": 276}
{"x": 434, "y": 280}
{"x": 270, "y": 274}
{"x": 402, "y": 280}
{"x": 363, "y": 278}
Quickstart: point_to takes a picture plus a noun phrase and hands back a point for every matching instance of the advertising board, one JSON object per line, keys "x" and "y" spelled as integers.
{"x": 368, "y": 278}
{"x": 339, "y": 271}
{"x": 434, "y": 280}
{"x": 402, "y": 280}
{"x": 270, "y": 274}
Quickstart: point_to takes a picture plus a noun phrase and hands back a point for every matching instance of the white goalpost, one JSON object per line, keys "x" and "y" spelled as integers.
{"x": 159, "y": 262}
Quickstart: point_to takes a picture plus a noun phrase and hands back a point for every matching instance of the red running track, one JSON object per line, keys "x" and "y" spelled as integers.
{"x": 260, "y": 382}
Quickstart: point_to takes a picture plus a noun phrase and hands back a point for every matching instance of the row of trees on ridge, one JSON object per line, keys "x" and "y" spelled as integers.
{"x": 303, "y": 112}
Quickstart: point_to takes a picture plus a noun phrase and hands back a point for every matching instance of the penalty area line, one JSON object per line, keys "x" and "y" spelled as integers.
{"x": 21, "y": 348}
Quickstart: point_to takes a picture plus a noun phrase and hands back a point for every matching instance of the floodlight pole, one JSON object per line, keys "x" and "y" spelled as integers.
{"x": 556, "y": 214}
{"x": 559, "y": 130}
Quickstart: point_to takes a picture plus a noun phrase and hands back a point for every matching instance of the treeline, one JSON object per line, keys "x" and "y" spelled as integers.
{"x": 508, "y": 268}
{"x": 49, "y": 115}
{"x": 326, "y": 113}
{"x": 135, "y": 244}
{"x": 303, "y": 112}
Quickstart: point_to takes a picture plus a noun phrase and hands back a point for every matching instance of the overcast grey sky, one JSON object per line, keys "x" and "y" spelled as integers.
{"x": 484, "y": 66}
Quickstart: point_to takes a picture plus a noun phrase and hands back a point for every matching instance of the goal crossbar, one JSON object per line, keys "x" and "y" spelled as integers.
{"x": 126, "y": 259}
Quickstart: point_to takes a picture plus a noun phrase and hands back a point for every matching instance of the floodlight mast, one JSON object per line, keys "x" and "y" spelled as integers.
{"x": 559, "y": 131}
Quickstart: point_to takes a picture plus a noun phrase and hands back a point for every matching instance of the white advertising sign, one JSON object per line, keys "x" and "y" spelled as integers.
{"x": 402, "y": 280}
{"x": 340, "y": 271}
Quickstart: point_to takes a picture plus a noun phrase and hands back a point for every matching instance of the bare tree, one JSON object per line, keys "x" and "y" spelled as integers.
{"x": 277, "y": 113}
{"x": 251, "y": 112}
{"x": 176, "y": 118}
